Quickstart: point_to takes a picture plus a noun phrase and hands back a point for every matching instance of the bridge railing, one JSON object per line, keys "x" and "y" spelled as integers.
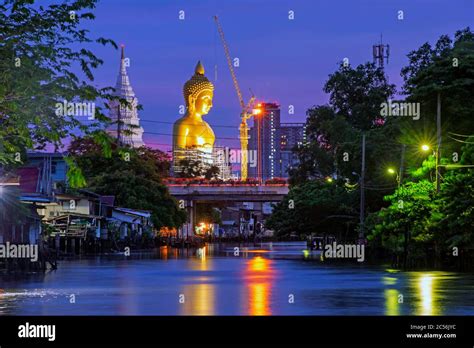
{"x": 228, "y": 183}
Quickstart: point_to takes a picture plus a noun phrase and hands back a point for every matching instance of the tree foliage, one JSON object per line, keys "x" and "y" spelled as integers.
{"x": 412, "y": 219}
{"x": 314, "y": 207}
{"x": 334, "y": 131}
{"x": 133, "y": 176}
{"x": 40, "y": 47}
{"x": 447, "y": 68}
{"x": 196, "y": 169}
{"x": 356, "y": 94}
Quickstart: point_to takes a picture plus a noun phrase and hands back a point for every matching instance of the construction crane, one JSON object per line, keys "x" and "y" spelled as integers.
{"x": 246, "y": 112}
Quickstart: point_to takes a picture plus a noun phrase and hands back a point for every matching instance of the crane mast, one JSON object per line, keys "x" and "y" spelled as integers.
{"x": 245, "y": 113}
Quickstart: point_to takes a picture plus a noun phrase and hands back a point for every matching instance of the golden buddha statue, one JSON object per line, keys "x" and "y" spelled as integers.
{"x": 191, "y": 133}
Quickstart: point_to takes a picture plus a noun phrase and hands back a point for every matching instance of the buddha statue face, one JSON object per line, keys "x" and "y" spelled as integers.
{"x": 201, "y": 104}
{"x": 198, "y": 93}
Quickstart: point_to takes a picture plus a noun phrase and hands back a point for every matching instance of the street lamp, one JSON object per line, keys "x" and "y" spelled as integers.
{"x": 329, "y": 180}
{"x": 426, "y": 148}
{"x": 392, "y": 171}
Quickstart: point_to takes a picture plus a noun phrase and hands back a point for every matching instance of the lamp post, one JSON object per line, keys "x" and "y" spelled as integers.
{"x": 392, "y": 171}
{"x": 402, "y": 163}
{"x": 438, "y": 145}
{"x": 436, "y": 153}
{"x": 400, "y": 173}
{"x": 362, "y": 193}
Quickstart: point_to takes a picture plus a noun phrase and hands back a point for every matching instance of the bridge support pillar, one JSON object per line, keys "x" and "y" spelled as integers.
{"x": 188, "y": 230}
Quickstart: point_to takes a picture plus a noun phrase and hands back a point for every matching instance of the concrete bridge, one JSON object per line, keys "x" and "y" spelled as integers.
{"x": 189, "y": 196}
{"x": 228, "y": 193}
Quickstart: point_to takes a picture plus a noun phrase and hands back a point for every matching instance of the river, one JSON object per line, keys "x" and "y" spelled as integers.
{"x": 269, "y": 279}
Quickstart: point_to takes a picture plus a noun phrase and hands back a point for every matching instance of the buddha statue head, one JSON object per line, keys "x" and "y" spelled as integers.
{"x": 198, "y": 93}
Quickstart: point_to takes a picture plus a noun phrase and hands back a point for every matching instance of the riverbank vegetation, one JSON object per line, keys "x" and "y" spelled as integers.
{"x": 408, "y": 219}
{"x": 133, "y": 175}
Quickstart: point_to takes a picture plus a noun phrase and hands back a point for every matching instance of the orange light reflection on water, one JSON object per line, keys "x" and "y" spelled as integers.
{"x": 259, "y": 276}
{"x": 199, "y": 297}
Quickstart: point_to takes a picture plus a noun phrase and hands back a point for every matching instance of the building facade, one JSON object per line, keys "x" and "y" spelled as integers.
{"x": 274, "y": 143}
{"x": 222, "y": 161}
{"x": 264, "y": 138}
{"x": 292, "y": 135}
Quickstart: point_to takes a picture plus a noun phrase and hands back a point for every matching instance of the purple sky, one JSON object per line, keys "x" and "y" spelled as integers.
{"x": 281, "y": 60}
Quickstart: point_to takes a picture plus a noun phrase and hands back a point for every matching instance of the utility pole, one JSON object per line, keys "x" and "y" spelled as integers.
{"x": 362, "y": 191}
{"x": 438, "y": 147}
{"x": 402, "y": 169}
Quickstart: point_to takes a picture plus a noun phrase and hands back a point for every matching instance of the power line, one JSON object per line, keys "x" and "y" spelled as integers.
{"x": 236, "y": 127}
{"x": 461, "y": 141}
{"x": 170, "y": 135}
{"x": 381, "y": 189}
{"x": 190, "y": 124}
{"x": 461, "y": 135}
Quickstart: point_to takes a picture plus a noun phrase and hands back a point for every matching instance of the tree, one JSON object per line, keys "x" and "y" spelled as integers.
{"x": 133, "y": 176}
{"x": 356, "y": 94}
{"x": 447, "y": 68}
{"x": 334, "y": 131}
{"x": 39, "y": 45}
{"x": 194, "y": 169}
{"x": 208, "y": 213}
{"x": 314, "y": 207}
{"x": 403, "y": 228}
{"x": 333, "y": 148}
{"x": 454, "y": 219}
{"x": 445, "y": 220}
{"x": 420, "y": 222}
{"x": 334, "y": 137}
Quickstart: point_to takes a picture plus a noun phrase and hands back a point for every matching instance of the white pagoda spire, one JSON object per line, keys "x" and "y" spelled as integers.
{"x": 128, "y": 115}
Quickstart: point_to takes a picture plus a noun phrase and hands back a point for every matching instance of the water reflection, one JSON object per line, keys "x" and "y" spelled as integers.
{"x": 200, "y": 297}
{"x": 392, "y": 306}
{"x": 258, "y": 277}
{"x": 422, "y": 293}
{"x": 166, "y": 252}
{"x": 3, "y": 302}
{"x": 126, "y": 280}
{"x": 217, "y": 282}
{"x": 427, "y": 295}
